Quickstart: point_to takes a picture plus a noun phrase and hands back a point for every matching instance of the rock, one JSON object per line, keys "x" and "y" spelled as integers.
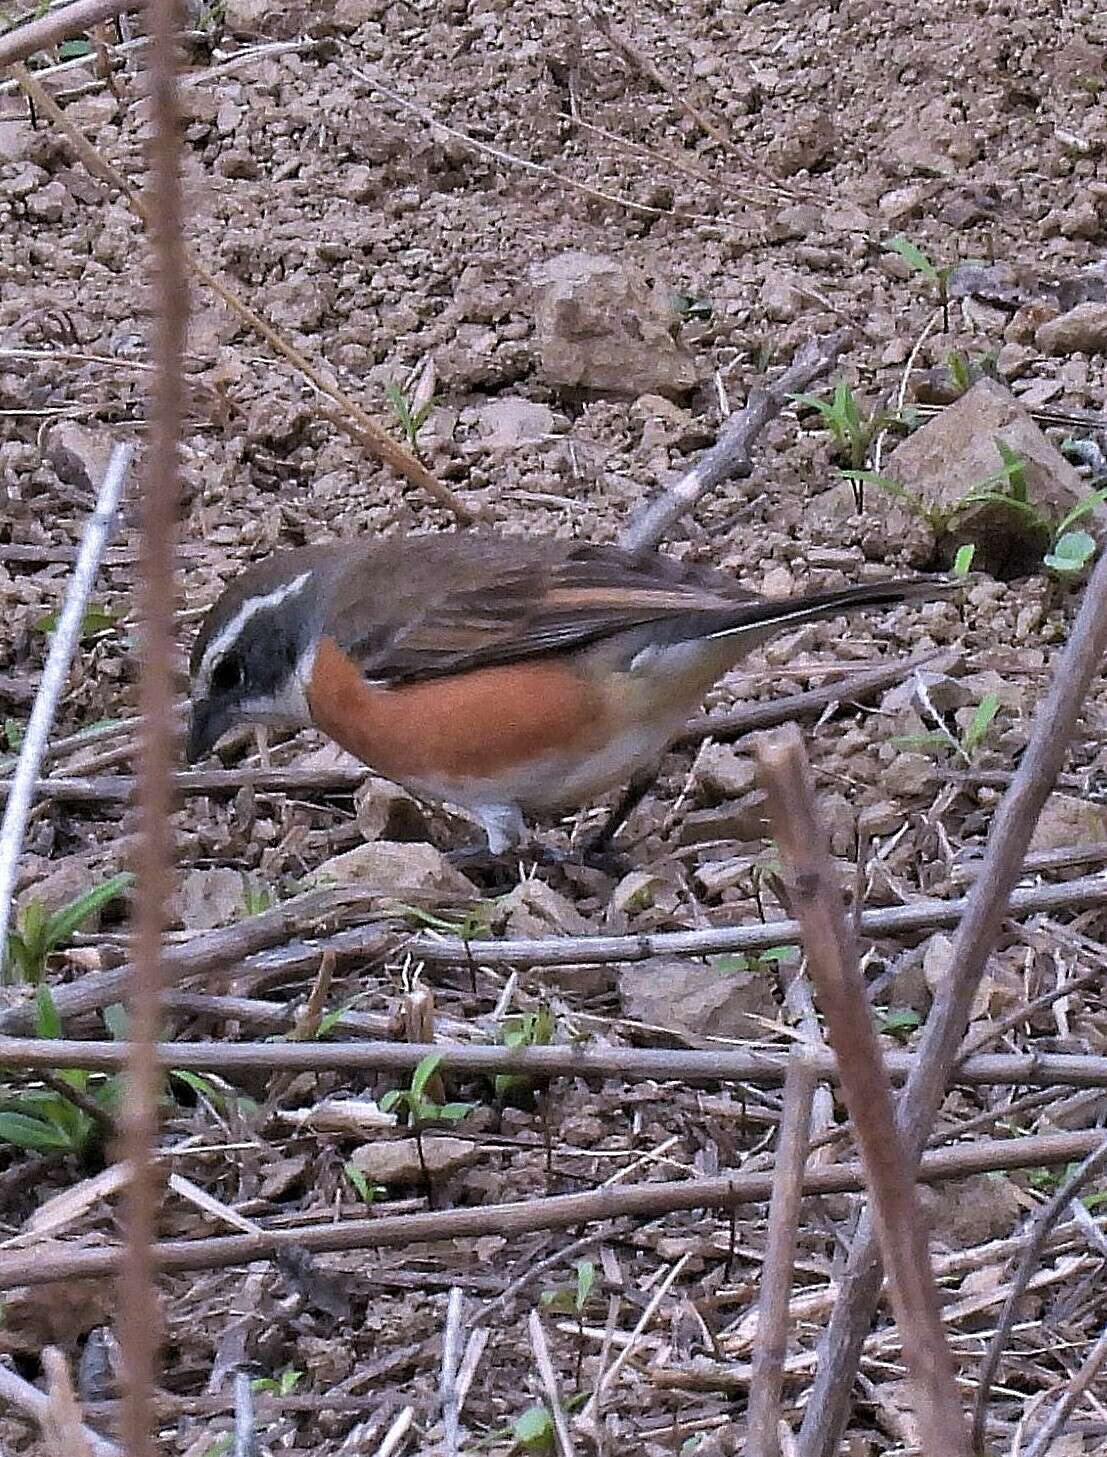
{"x": 1069, "y": 820}
{"x": 905, "y": 202}
{"x": 809, "y": 139}
{"x": 602, "y": 326}
{"x": 973, "y": 1210}
{"x": 720, "y": 772}
{"x": 207, "y": 898}
{"x": 509, "y": 422}
{"x": 914, "y": 151}
{"x": 535, "y": 909}
{"x": 781, "y": 299}
{"x": 391, "y": 868}
{"x": 78, "y": 455}
{"x": 341, "y": 1115}
{"x": 740, "y": 819}
{"x": 1082, "y": 330}
{"x": 396, "y": 1161}
{"x": 956, "y": 451}
{"x": 276, "y": 19}
{"x": 639, "y": 890}
{"x": 48, "y": 204}
{"x": 691, "y": 996}
{"x": 937, "y": 963}
{"x": 66, "y": 881}
{"x": 298, "y": 304}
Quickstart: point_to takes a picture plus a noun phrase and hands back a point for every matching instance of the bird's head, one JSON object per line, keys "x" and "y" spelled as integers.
{"x": 252, "y": 659}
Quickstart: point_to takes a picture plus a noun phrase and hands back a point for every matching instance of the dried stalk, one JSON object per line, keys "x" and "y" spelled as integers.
{"x": 833, "y": 966}
{"x": 730, "y": 455}
{"x": 58, "y": 25}
{"x": 1053, "y": 1426}
{"x": 1041, "y": 1227}
{"x": 139, "y": 1320}
{"x": 36, "y": 1404}
{"x": 63, "y": 642}
{"x": 51, "y": 1262}
{"x": 771, "y": 1347}
{"x": 987, "y": 906}
{"x": 764, "y": 1069}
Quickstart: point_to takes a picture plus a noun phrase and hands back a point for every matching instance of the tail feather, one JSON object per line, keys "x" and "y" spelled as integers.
{"x": 765, "y": 615}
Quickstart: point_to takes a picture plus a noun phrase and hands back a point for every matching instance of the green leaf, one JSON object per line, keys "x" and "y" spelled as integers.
{"x": 32, "y": 1133}
{"x": 558, "y": 1302}
{"x": 70, "y": 918}
{"x": 450, "y": 1112}
{"x": 392, "y": 1099}
{"x": 534, "y": 1431}
{"x": 981, "y": 721}
{"x": 729, "y": 962}
{"x": 1071, "y": 553}
{"x": 200, "y": 1085}
{"x": 924, "y": 742}
{"x": 69, "y": 50}
{"x": 13, "y": 734}
{"x": 47, "y": 1021}
{"x": 424, "y": 1072}
{"x": 962, "y": 562}
{"x": 586, "y": 1278}
{"x": 915, "y": 256}
{"x": 366, "y": 1191}
{"x": 1081, "y": 509}
{"x": 899, "y": 1022}
{"x": 115, "y": 1021}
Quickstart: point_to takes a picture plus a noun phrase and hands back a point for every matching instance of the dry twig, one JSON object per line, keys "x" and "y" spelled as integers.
{"x": 833, "y": 966}
{"x": 989, "y": 903}
{"x": 58, "y": 25}
{"x": 47, "y": 1264}
{"x": 63, "y": 642}
{"x": 730, "y": 455}
{"x": 780, "y": 1252}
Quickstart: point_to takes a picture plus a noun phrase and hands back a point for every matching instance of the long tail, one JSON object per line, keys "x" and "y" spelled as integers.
{"x": 765, "y": 615}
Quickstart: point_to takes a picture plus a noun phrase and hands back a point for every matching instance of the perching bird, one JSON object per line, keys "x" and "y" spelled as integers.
{"x": 501, "y": 674}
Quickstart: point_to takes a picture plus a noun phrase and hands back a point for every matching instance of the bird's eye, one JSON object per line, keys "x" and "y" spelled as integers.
{"x": 227, "y": 675}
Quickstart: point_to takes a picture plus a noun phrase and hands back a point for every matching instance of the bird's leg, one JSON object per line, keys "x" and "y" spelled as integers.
{"x": 598, "y": 843}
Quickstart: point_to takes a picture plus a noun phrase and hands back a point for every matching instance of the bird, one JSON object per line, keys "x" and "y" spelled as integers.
{"x": 507, "y": 675}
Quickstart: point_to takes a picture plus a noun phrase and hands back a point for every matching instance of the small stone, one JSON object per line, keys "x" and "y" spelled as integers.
{"x": 535, "y": 909}
{"x": 973, "y": 1211}
{"x": 510, "y": 422}
{"x": 208, "y": 898}
{"x": 396, "y": 869}
{"x": 740, "y": 819}
{"x": 721, "y": 773}
{"x": 48, "y": 204}
{"x": 1082, "y": 330}
{"x": 23, "y": 182}
{"x": 79, "y": 455}
{"x": 693, "y": 997}
{"x": 905, "y": 202}
{"x": 1069, "y": 820}
{"x": 781, "y": 300}
{"x": 601, "y": 325}
{"x": 778, "y": 582}
{"x": 396, "y": 1161}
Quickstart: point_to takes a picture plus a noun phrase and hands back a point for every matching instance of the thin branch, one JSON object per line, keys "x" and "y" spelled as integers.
{"x": 1054, "y": 1424}
{"x": 58, "y": 25}
{"x": 139, "y": 1318}
{"x": 63, "y": 642}
{"x": 548, "y": 1378}
{"x": 1041, "y": 1227}
{"x": 833, "y": 966}
{"x": 720, "y": 1064}
{"x": 989, "y": 903}
{"x": 771, "y": 1349}
{"x": 638, "y": 1201}
{"x": 451, "y": 1357}
{"x": 36, "y": 1404}
{"x": 731, "y": 454}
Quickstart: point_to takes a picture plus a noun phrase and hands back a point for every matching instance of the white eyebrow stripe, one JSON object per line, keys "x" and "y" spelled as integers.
{"x": 250, "y": 608}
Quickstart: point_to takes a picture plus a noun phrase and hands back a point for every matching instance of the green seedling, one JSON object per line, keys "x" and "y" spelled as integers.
{"x": 471, "y": 924}
{"x": 40, "y": 932}
{"x": 899, "y": 1022}
{"x": 971, "y": 738}
{"x": 411, "y": 417}
{"x": 852, "y": 431}
{"x": 962, "y": 562}
{"x": 61, "y": 1117}
{"x": 939, "y": 277}
{"x": 534, "y": 1432}
{"x": 366, "y": 1191}
{"x": 965, "y": 371}
{"x": 688, "y": 306}
{"x": 283, "y": 1384}
{"x": 1071, "y": 554}
{"x": 573, "y": 1300}
{"x": 420, "y": 1110}
{"x": 256, "y": 896}
{"x": 94, "y": 621}
{"x": 755, "y": 961}
{"x": 528, "y": 1029}
{"x": 13, "y": 732}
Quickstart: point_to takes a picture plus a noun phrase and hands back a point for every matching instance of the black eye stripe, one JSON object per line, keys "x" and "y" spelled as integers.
{"x": 226, "y": 674}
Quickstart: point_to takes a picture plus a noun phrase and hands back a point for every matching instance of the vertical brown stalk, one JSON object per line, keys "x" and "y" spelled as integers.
{"x": 890, "y": 1165}
{"x": 139, "y": 1322}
